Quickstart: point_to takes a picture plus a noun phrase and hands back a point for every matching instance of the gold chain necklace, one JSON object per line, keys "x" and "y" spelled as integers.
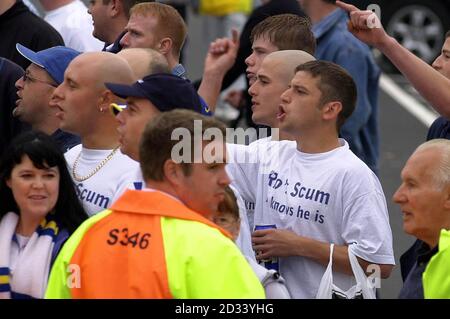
{"x": 99, "y": 166}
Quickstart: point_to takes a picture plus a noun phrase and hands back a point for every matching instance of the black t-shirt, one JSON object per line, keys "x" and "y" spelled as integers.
{"x": 20, "y": 25}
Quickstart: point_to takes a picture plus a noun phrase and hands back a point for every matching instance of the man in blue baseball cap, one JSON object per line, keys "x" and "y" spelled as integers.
{"x": 145, "y": 99}
{"x": 35, "y": 90}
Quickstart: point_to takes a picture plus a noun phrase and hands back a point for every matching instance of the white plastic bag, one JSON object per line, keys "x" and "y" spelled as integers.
{"x": 327, "y": 290}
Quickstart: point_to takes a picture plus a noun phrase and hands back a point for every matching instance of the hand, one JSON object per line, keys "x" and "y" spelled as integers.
{"x": 222, "y": 54}
{"x": 234, "y": 98}
{"x": 365, "y": 25}
{"x": 270, "y": 243}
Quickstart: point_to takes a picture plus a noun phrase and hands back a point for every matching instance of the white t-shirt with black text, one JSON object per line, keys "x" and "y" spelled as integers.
{"x": 331, "y": 197}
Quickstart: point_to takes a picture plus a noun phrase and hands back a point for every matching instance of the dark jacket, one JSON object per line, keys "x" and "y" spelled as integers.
{"x": 65, "y": 140}
{"x": 20, "y": 25}
{"x": 439, "y": 129}
{"x": 9, "y": 126}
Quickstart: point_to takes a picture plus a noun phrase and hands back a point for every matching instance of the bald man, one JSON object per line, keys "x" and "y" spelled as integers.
{"x": 272, "y": 79}
{"x": 97, "y": 166}
{"x": 145, "y": 61}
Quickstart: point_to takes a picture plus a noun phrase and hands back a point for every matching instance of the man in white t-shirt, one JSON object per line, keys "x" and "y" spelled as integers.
{"x": 71, "y": 19}
{"x": 316, "y": 191}
{"x": 272, "y": 78}
{"x": 97, "y": 166}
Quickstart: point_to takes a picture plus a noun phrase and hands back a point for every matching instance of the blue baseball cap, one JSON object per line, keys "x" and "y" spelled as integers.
{"x": 166, "y": 91}
{"x": 53, "y": 60}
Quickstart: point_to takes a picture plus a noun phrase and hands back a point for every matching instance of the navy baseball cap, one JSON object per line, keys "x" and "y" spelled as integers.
{"x": 166, "y": 91}
{"x": 53, "y": 60}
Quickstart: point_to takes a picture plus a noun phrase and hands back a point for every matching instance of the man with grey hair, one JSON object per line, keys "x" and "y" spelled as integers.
{"x": 424, "y": 199}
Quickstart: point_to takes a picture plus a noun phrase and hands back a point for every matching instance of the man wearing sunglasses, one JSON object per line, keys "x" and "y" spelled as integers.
{"x": 36, "y": 87}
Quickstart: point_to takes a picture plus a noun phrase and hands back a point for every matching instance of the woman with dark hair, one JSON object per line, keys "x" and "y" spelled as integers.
{"x": 39, "y": 209}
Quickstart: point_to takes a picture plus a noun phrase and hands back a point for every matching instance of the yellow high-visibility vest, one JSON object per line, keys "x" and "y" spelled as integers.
{"x": 436, "y": 278}
{"x": 150, "y": 245}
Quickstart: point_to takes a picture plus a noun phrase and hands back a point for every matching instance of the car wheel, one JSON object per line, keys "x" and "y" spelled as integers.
{"x": 419, "y": 26}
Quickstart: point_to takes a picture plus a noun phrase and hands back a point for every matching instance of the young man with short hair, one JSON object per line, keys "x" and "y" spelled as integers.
{"x": 110, "y": 18}
{"x": 272, "y": 79}
{"x": 316, "y": 191}
{"x": 276, "y": 33}
{"x": 160, "y": 27}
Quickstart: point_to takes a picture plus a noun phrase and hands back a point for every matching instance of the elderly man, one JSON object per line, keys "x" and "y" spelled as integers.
{"x": 424, "y": 199}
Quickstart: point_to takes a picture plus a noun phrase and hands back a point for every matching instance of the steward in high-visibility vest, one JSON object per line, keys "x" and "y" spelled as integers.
{"x": 436, "y": 278}
{"x": 150, "y": 245}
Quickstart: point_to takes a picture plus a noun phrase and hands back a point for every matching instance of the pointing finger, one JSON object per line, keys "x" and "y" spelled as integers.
{"x": 345, "y": 6}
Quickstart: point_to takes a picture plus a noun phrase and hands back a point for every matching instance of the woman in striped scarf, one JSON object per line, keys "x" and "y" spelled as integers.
{"x": 39, "y": 209}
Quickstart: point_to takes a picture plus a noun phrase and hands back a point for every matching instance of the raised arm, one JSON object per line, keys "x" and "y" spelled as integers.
{"x": 220, "y": 58}
{"x": 433, "y": 86}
